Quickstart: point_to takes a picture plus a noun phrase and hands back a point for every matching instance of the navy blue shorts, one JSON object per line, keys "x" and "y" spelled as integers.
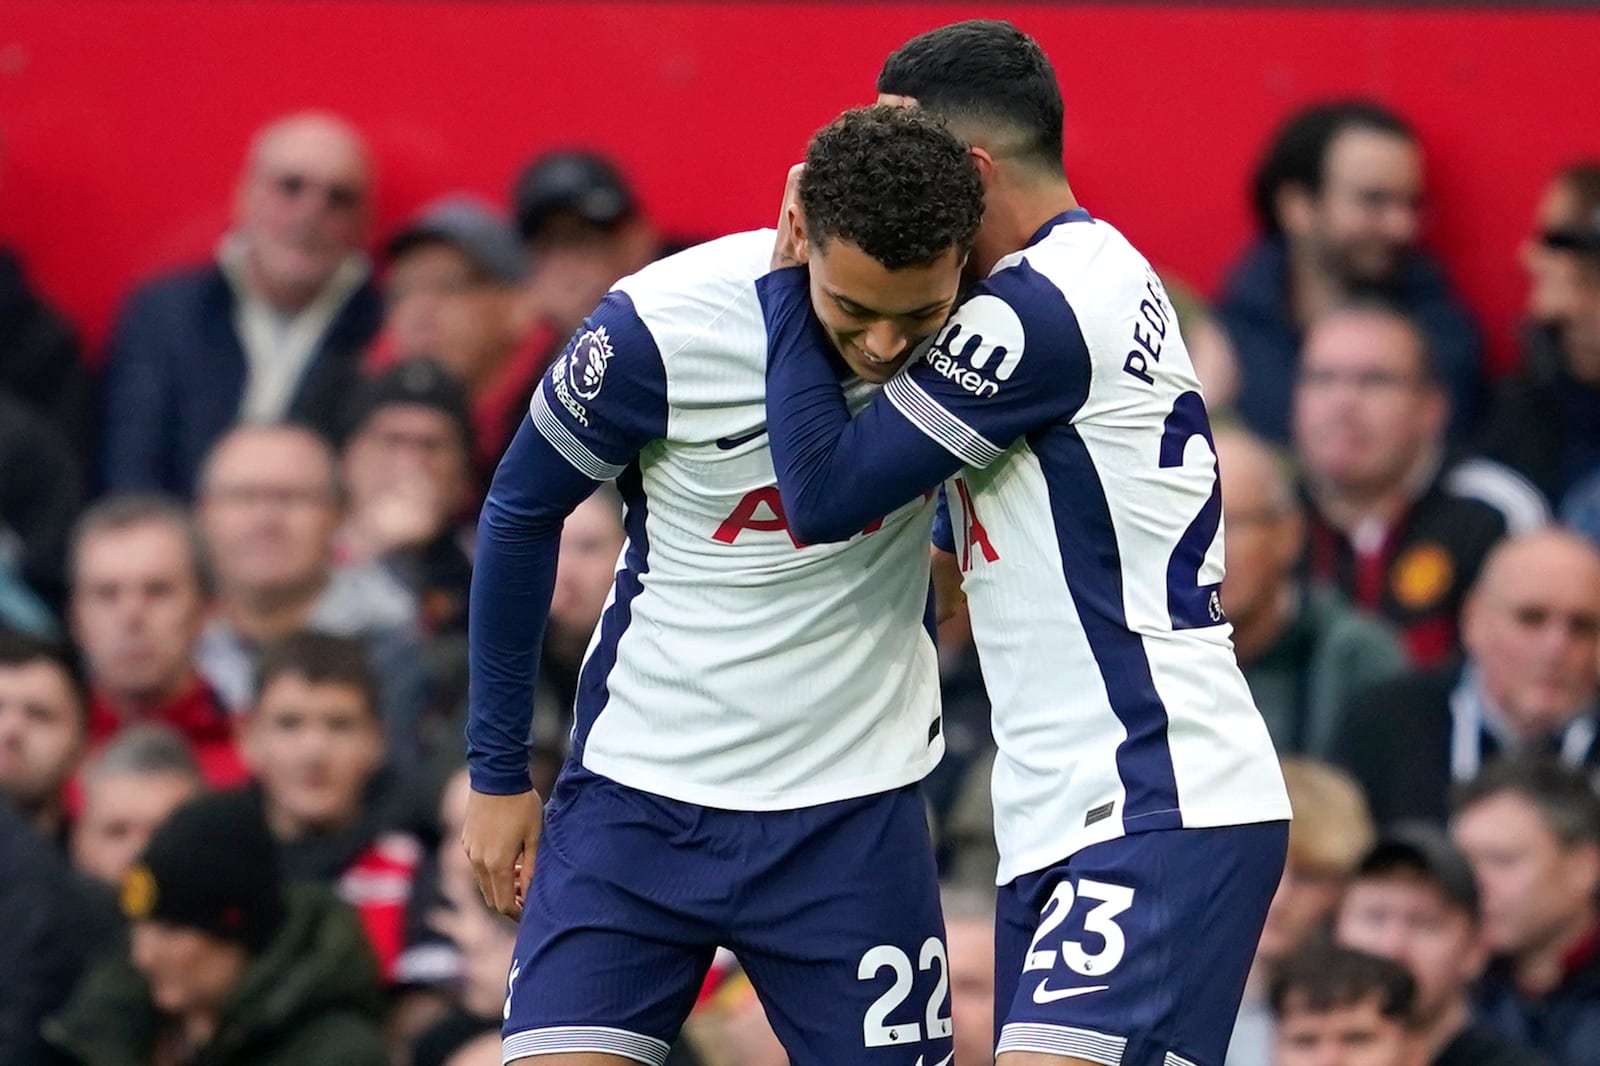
{"x": 1134, "y": 952}
{"x": 833, "y": 910}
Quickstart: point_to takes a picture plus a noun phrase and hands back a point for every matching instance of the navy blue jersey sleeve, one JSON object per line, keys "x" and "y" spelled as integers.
{"x": 598, "y": 405}
{"x": 836, "y": 475}
{"x": 1010, "y": 360}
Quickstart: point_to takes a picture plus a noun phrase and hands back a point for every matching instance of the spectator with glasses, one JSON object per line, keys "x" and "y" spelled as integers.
{"x": 1395, "y": 523}
{"x": 271, "y": 329}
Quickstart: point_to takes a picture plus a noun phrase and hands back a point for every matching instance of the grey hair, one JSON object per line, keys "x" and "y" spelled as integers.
{"x": 115, "y": 513}
{"x": 146, "y": 750}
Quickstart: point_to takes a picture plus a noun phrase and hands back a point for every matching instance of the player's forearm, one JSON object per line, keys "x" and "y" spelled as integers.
{"x": 513, "y": 578}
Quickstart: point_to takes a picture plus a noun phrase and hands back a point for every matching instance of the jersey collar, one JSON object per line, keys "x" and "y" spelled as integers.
{"x": 1077, "y": 214}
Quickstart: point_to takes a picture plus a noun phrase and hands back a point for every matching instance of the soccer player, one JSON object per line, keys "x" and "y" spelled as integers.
{"x": 746, "y": 751}
{"x": 1139, "y": 810}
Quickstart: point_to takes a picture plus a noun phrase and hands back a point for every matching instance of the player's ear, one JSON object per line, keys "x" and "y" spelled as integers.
{"x": 795, "y": 243}
{"x": 985, "y": 163}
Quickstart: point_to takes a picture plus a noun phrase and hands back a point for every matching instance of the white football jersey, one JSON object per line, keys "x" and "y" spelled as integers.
{"x": 734, "y": 667}
{"x": 1088, "y": 528}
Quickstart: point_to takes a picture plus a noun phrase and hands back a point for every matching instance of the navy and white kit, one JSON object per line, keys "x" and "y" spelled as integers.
{"x": 1061, "y": 412}
{"x": 753, "y": 713}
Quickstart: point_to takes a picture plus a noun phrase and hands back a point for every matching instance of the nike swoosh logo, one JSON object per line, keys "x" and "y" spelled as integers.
{"x": 1050, "y": 995}
{"x": 728, "y": 444}
{"x": 942, "y": 1062}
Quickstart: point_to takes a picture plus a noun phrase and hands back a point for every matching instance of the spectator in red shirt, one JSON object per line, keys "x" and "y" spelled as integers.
{"x": 316, "y": 745}
{"x": 139, "y": 597}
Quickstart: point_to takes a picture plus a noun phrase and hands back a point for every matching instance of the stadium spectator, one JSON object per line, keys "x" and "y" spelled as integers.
{"x": 41, "y": 366}
{"x": 969, "y": 938}
{"x": 1330, "y": 833}
{"x": 140, "y": 590}
{"x": 1546, "y": 419}
{"x": 407, "y": 470}
{"x": 1210, "y": 349}
{"x": 316, "y": 746}
{"x": 1339, "y": 1007}
{"x": 41, "y": 730}
{"x": 226, "y": 963}
{"x": 458, "y": 295}
{"x": 270, "y": 507}
{"x": 584, "y": 231}
{"x": 1394, "y": 525}
{"x": 40, "y": 492}
{"x": 1337, "y": 200}
{"x": 272, "y": 329}
{"x": 52, "y": 924}
{"x": 127, "y": 789}
{"x": 1531, "y": 629}
{"x": 1414, "y": 900}
{"x": 1531, "y": 828}
{"x": 1304, "y": 650}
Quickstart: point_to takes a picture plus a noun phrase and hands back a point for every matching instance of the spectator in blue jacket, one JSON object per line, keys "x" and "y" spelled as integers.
{"x": 1337, "y": 199}
{"x": 271, "y": 329}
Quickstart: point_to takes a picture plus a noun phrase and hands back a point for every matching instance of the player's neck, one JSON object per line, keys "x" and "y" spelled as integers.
{"x": 1016, "y": 206}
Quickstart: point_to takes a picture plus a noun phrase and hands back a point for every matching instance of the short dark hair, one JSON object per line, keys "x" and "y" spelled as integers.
{"x": 989, "y": 73}
{"x": 1563, "y": 795}
{"x": 22, "y": 649}
{"x": 1298, "y": 153}
{"x": 894, "y": 182}
{"x": 1328, "y": 977}
{"x": 319, "y": 659}
{"x": 126, "y": 511}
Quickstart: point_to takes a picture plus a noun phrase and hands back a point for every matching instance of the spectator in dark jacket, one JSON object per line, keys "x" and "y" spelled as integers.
{"x": 1531, "y": 630}
{"x": 271, "y": 330}
{"x": 1532, "y": 831}
{"x": 40, "y": 364}
{"x": 1400, "y": 528}
{"x": 41, "y": 730}
{"x": 39, "y": 494}
{"x": 1337, "y": 199}
{"x": 226, "y": 963}
{"x": 1546, "y": 419}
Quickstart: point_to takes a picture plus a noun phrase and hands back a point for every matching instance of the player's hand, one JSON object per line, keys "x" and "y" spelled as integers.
{"x": 786, "y": 252}
{"x": 501, "y": 836}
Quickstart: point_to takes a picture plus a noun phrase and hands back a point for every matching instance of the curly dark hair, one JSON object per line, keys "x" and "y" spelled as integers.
{"x": 894, "y": 182}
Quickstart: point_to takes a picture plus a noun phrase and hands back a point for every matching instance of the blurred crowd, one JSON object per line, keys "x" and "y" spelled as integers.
{"x": 235, "y": 550}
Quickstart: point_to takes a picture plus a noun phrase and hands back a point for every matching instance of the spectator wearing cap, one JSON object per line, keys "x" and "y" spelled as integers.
{"x": 270, "y": 509}
{"x": 1531, "y": 829}
{"x": 271, "y": 329}
{"x": 1337, "y": 198}
{"x": 226, "y": 963}
{"x": 1546, "y": 419}
{"x": 316, "y": 746}
{"x": 456, "y": 287}
{"x": 584, "y": 231}
{"x": 1414, "y": 899}
{"x": 141, "y": 590}
{"x": 126, "y": 789}
{"x": 407, "y": 470}
{"x": 41, "y": 729}
{"x": 1336, "y": 1006}
{"x": 1531, "y": 628}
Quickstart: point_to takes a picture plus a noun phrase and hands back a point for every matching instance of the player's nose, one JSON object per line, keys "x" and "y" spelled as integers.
{"x": 885, "y": 340}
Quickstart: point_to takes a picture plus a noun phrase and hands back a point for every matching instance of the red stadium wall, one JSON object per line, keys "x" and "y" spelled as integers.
{"x": 122, "y": 121}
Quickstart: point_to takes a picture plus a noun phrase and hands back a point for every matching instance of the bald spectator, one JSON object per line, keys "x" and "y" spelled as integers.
{"x": 41, "y": 730}
{"x": 1546, "y": 419}
{"x": 1395, "y": 525}
{"x": 1338, "y": 201}
{"x": 270, "y": 506}
{"x": 1304, "y": 650}
{"x": 272, "y": 329}
{"x": 140, "y": 593}
{"x": 458, "y": 295}
{"x": 1330, "y": 833}
{"x": 1532, "y": 633}
{"x": 127, "y": 789}
{"x": 1531, "y": 828}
